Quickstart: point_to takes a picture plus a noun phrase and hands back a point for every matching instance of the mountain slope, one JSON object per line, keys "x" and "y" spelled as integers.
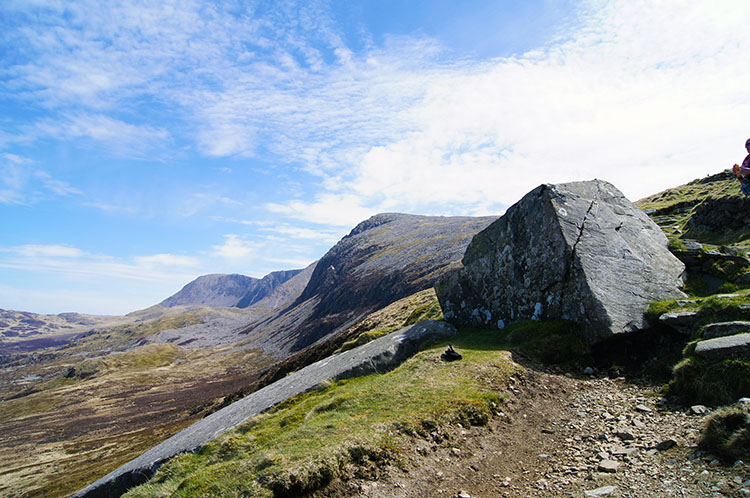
{"x": 383, "y": 259}
{"x": 283, "y": 293}
{"x": 711, "y": 210}
{"x": 221, "y": 290}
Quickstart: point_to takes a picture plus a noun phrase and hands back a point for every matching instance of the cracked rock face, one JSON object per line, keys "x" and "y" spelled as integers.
{"x": 579, "y": 251}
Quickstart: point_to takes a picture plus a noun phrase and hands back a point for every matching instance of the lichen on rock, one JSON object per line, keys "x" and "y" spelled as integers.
{"x": 579, "y": 251}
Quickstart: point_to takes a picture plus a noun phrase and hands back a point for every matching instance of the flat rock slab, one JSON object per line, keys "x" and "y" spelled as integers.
{"x": 682, "y": 321}
{"x": 609, "y": 466}
{"x": 600, "y": 492}
{"x": 380, "y": 355}
{"x": 579, "y": 251}
{"x": 720, "y": 348}
{"x": 723, "y": 329}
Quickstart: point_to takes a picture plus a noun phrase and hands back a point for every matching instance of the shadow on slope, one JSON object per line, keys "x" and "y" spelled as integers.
{"x": 383, "y": 259}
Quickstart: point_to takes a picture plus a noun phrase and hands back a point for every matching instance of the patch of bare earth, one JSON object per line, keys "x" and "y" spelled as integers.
{"x": 559, "y": 436}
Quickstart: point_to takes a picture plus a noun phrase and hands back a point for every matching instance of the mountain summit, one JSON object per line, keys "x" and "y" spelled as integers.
{"x": 224, "y": 291}
{"x": 383, "y": 259}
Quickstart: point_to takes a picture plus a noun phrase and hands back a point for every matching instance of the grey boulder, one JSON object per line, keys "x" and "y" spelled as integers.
{"x": 579, "y": 251}
{"x": 683, "y": 322}
{"x": 720, "y": 348}
{"x": 722, "y": 329}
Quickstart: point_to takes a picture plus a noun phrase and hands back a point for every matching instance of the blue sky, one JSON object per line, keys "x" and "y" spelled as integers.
{"x": 145, "y": 143}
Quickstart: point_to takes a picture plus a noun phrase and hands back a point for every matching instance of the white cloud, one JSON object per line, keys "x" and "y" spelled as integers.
{"x": 57, "y": 187}
{"x": 330, "y": 209}
{"x": 644, "y": 94}
{"x": 16, "y": 159}
{"x": 76, "y": 264}
{"x": 296, "y": 232}
{"x": 157, "y": 260}
{"x": 235, "y": 247}
{"x": 53, "y": 251}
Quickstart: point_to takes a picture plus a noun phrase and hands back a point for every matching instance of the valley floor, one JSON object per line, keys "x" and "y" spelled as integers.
{"x": 553, "y": 438}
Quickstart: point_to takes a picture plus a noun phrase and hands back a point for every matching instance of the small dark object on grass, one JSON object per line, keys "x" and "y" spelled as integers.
{"x": 451, "y": 354}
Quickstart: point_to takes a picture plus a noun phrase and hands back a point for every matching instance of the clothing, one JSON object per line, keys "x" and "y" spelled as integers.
{"x": 745, "y": 166}
{"x": 745, "y": 172}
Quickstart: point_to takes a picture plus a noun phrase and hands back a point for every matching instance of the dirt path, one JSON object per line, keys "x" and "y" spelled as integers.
{"x": 563, "y": 437}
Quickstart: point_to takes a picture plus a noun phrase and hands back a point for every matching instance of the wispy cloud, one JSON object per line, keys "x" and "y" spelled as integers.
{"x": 45, "y": 251}
{"x": 22, "y": 182}
{"x": 74, "y": 263}
{"x": 158, "y": 260}
{"x": 296, "y": 232}
{"x": 644, "y": 94}
{"x": 633, "y": 96}
{"x": 118, "y": 136}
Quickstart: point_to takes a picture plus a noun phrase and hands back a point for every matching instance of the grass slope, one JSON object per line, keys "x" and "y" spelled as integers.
{"x": 70, "y": 415}
{"x": 351, "y": 427}
{"x": 678, "y": 210}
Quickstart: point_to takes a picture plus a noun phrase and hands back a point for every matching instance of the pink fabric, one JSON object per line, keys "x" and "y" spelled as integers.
{"x": 745, "y": 167}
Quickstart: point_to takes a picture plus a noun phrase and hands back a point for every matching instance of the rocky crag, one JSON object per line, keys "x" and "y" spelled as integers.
{"x": 383, "y": 259}
{"x": 578, "y": 251}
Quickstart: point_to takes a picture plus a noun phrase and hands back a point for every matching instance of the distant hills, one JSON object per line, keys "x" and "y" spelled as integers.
{"x": 224, "y": 291}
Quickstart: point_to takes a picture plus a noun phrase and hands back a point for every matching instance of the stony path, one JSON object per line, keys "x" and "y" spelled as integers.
{"x": 563, "y": 437}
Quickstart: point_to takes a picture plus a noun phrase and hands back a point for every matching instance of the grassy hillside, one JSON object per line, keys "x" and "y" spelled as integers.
{"x": 70, "y": 415}
{"x": 711, "y": 210}
{"x": 350, "y": 428}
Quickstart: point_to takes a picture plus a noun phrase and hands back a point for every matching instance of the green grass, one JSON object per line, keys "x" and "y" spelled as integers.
{"x": 349, "y": 427}
{"x": 552, "y": 341}
{"x": 673, "y": 208}
{"x": 711, "y": 309}
{"x": 658, "y": 308}
{"x": 143, "y": 358}
{"x": 429, "y": 311}
{"x": 125, "y": 335}
{"x": 697, "y": 380}
{"x": 365, "y": 337}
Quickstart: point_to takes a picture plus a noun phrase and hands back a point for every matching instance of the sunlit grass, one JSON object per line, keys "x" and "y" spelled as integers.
{"x": 312, "y": 437}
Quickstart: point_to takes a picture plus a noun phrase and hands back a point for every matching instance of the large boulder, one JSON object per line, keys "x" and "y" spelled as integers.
{"x": 579, "y": 251}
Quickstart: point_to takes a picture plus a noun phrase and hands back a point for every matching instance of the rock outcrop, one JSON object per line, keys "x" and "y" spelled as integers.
{"x": 723, "y": 329}
{"x": 579, "y": 251}
{"x": 720, "y": 348}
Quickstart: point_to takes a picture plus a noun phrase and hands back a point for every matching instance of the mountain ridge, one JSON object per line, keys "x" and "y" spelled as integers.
{"x": 383, "y": 259}
{"x": 228, "y": 290}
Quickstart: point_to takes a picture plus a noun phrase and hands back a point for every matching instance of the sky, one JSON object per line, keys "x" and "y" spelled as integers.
{"x": 143, "y": 144}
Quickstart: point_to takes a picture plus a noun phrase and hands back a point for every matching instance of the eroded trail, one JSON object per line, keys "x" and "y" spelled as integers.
{"x": 560, "y": 437}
